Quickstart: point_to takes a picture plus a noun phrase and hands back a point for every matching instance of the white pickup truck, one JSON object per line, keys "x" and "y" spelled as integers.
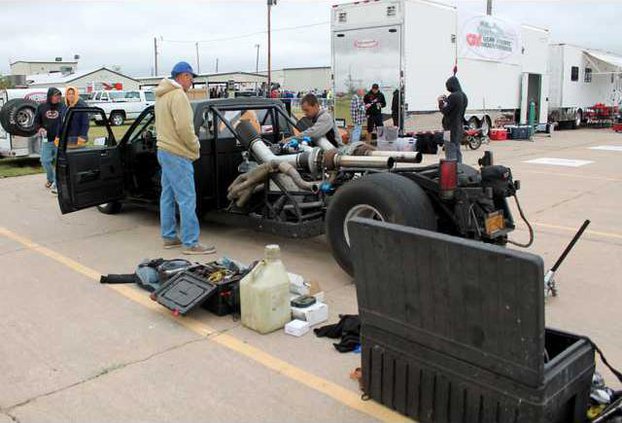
{"x": 121, "y": 106}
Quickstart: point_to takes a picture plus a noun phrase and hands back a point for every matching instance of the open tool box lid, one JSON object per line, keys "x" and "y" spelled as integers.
{"x": 184, "y": 292}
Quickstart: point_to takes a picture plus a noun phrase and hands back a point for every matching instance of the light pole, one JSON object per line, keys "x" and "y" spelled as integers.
{"x": 198, "y": 63}
{"x": 257, "y": 60}
{"x": 270, "y": 4}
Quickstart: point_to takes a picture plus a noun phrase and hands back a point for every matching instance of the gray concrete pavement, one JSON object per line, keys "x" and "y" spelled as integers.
{"x": 73, "y": 350}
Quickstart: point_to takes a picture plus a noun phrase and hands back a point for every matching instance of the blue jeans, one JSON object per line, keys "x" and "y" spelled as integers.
{"x": 178, "y": 188}
{"x": 355, "y": 136}
{"x": 48, "y": 155}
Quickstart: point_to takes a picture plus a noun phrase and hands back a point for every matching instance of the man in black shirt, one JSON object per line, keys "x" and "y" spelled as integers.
{"x": 374, "y": 102}
{"x": 453, "y": 108}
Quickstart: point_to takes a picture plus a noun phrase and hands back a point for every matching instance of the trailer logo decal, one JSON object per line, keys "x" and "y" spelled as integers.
{"x": 366, "y": 43}
{"x": 39, "y": 97}
{"x": 489, "y": 38}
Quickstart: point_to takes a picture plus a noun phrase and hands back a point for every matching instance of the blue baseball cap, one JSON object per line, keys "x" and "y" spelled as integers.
{"x": 182, "y": 67}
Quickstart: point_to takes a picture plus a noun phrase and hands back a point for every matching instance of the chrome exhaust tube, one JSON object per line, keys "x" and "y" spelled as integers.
{"x": 365, "y": 162}
{"x": 398, "y": 156}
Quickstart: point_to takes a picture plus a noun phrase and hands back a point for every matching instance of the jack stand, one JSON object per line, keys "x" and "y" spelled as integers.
{"x": 550, "y": 286}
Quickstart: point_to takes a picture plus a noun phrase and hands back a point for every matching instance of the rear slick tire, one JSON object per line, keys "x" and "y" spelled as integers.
{"x": 384, "y": 197}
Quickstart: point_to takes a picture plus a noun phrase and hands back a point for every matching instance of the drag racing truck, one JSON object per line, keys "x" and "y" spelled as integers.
{"x": 247, "y": 176}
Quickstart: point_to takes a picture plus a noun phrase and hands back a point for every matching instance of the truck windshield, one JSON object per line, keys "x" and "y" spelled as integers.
{"x": 115, "y": 95}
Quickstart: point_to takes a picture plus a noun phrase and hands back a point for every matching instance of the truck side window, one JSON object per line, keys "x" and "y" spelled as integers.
{"x": 574, "y": 73}
{"x": 149, "y": 96}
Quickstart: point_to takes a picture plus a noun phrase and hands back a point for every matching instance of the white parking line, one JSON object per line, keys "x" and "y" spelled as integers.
{"x": 559, "y": 162}
{"x": 607, "y": 147}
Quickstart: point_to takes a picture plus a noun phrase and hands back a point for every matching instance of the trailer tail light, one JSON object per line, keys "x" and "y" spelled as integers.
{"x": 448, "y": 179}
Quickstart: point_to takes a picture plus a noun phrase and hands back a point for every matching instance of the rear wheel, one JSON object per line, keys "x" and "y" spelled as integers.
{"x": 117, "y": 119}
{"x": 578, "y": 120}
{"x": 110, "y": 208}
{"x": 486, "y": 125}
{"x": 474, "y": 142}
{"x": 474, "y": 123}
{"x": 384, "y": 197}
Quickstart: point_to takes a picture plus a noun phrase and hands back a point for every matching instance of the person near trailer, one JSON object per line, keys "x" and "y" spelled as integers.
{"x": 395, "y": 108}
{"x": 374, "y": 103}
{"x": 178, "y": 147}
{"x": 453, "y": 109}
{"x": 48, "y": 123}
{"x": 78, "y": 127}
{"x": 322, "y": 123}
{"x": 357, "y": 115}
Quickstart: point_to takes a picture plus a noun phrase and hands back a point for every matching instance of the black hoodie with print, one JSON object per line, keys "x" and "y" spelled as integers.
{"x": 453, "y": 109}
{"x": 49, "y": 116}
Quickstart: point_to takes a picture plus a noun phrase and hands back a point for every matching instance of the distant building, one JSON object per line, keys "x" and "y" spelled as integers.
{"x": 242, "y": 80}
{"x": 35, "y": 67}
{"x": 302, "y": 79}
{"x": 85, "y": 81}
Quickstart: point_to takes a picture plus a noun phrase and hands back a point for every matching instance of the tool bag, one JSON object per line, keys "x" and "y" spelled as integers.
{"x": 150, "y": 274}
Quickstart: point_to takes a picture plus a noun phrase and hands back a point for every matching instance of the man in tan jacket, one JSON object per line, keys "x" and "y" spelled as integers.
{"x": 178, "y": 147}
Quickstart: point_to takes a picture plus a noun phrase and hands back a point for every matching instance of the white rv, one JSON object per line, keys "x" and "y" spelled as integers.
{"x": 415, "y": 44}
{"x": 580, "y": 78}
{"x": 16, "y": 146}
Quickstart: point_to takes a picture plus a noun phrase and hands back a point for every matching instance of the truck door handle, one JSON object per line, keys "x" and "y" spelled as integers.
{"x": 89, "y": 175}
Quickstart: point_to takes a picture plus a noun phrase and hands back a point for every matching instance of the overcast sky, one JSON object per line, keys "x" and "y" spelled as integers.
{"x": 121, "y": 32}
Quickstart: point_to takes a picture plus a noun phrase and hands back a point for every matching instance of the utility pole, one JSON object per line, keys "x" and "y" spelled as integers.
{"x": 155, "y": 54}
{"x": 270, "y": 4}
{"x": 489, "y": 7}
{"x": 217, "y": 65}
{"x": 198, "y": 63}
{"x": 257, "y": 61}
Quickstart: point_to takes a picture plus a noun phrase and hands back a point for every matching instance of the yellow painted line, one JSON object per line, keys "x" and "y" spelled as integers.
{"x": 336, "y": 392}
{"x": 588, "y": 232}
{"x": 572, "y": 175}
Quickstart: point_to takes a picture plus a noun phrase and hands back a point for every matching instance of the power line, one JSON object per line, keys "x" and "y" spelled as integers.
{"x": 252, "y": 34}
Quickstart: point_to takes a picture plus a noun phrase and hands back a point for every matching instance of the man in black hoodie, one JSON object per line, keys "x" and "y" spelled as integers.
{"x": 453, "y": 108}
{"x": 48, "y": 124}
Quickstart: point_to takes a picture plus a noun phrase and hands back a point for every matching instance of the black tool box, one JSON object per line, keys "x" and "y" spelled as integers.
{"x": 193, "y": 287}
{"x": 458, "y": 334}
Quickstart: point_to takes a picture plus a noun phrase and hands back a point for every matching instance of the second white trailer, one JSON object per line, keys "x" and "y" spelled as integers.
{"x": 410, "y": 48}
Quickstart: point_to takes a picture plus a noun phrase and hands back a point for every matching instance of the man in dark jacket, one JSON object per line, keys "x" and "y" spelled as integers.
{"x": 453, "y": 108}
{"x": 395, "y": 108}
{"x": 48, "y": 124}
{"x": 374, "y": 102}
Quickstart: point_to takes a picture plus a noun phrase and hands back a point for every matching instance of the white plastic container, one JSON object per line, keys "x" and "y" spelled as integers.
{"x": 314, "y": 314}
{"x": 297, "y": 328}
{"x": 264, "y": 294}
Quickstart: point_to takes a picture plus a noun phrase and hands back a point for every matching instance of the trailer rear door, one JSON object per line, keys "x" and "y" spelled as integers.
{"x": 362, "y": 57}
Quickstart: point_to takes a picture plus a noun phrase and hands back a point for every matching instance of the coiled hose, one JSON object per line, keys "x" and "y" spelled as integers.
{"x": 531, "y": 233}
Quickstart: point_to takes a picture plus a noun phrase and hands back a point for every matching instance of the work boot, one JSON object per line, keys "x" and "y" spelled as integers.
{"x": 199, "y": 249}
{"x": 172, "y": 243}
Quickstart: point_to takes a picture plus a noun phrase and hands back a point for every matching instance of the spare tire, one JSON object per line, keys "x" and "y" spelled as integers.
{"x": 18, "y": 117}
{"x": 387, "y": 197}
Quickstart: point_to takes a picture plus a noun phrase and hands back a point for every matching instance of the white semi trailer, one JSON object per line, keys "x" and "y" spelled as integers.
{"x": 412, "y": 46}
{"x": 580, "y": 78}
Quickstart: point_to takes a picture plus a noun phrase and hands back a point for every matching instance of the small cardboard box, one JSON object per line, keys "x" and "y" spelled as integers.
{"x": 317, "y": 313}
{"x": 297, "y": 327}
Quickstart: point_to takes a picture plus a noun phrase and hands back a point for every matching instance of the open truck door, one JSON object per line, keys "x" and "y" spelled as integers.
{"x": 87, "y": 173}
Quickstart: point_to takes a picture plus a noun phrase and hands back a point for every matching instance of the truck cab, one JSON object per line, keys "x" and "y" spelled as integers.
{"x": 121, "y": 106}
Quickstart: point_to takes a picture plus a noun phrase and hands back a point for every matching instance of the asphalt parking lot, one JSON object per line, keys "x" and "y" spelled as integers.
{"x": 74, "y": 350}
